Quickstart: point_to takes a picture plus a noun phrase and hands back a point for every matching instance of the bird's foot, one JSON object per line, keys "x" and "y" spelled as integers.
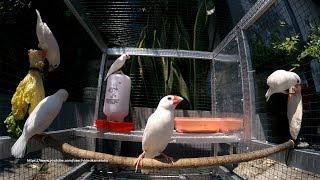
{"x": 168, "y": 158}
{"x": 43, "y": 137}
{"x": 119, "y": 72}
{"x": 139, "y": 162}
{"x": 294, "y": 90}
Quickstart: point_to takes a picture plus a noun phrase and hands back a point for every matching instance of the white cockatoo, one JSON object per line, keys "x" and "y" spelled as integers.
{"x": 48, "y": 43}
{"x": 294, "y": 111}
{"x": 39, "y": 120}
{"x": 280, "y": 81}
{"x": 117, "y": 65}
{"x": 159, "y": 129}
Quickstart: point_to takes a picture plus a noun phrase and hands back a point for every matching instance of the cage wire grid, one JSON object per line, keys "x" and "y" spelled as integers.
{"x": 247, "y": 101}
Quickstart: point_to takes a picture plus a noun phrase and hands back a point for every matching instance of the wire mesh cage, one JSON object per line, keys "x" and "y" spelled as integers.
{"x": 214, "y": 55}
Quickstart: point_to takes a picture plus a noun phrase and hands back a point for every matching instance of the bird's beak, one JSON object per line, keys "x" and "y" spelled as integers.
{"x": 177, "y": 100}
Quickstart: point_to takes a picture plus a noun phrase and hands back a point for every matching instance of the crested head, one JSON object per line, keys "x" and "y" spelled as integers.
{"x": 125, "y": 56}
{"x": 297, "y": 77}
{"x": 63, "y": 94}
{"x": 170, "y": 102}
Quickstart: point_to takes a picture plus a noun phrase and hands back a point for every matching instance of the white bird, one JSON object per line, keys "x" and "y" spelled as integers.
{"x": 48, "y": 43}
{"x": 280, "y": 81}
{"x": 39, "y": 120}
{"x": 295, "y": 111}
{"x": 159, "y": 129}
{"x": 117, "y": 65}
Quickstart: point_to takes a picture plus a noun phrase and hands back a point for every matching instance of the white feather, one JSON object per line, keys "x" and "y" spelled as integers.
{"x": 117, "y": 65}
{"x": 280, "y": 81}
{"x": 48, "y": 42}
{"x": 39, "y": 120}
{"x": 294, "y": 113}
{"x": 159, "y": 128}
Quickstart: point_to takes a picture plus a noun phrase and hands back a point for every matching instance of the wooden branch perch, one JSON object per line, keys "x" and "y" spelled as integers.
{"x": 154, "y": 164}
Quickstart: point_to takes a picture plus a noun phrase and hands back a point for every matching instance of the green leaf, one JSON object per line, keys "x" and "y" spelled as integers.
{"x": 183, "y": 88}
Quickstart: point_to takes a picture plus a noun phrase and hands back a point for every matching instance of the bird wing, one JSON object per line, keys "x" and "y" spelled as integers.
{"x": 294, "y": 113}
{"x": 47, "y": 41}
{"x": 158, "y": 132}
{"x": 116, "y": 66}
{"x": 33, "y": 119}
{"x": 43, "y": 115}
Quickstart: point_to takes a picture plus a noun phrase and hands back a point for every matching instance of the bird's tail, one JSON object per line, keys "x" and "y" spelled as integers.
{"x": 19, "y": 147}
{"x": 268, "y": 94}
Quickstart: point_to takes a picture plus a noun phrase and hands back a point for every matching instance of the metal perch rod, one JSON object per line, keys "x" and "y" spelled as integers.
{"x": 155, "y": 164}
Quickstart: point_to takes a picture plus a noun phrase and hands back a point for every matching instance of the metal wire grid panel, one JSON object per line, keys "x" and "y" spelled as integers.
{"x": 149, "y": 84}
{"x": 124, "y": 23}
{"x": 41, "y": 162}
{"x": 227, "y": 93}
{"x": 272, "y": 167}
{"x": 275, "y": 26}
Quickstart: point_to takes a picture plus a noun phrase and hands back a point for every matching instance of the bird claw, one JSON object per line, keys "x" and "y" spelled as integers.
{"x": 294, "y": 90}
{"x": 168, "y": 158}
{"x": 139, "y": 161}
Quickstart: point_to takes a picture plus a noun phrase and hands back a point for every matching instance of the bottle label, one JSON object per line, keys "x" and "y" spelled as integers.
{"x": 112, "y": 101}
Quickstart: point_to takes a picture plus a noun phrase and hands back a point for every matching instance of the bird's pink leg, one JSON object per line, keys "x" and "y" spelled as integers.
{"x": 168, "y": 158}
{"x": 138, "y": 162}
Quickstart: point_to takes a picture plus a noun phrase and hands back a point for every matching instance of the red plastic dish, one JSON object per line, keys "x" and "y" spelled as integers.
{"x": 113, "y": 126}
{"x": 208, "y": 125}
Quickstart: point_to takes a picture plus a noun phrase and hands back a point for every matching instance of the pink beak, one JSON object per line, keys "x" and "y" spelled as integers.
{"x": 177, "y": 100}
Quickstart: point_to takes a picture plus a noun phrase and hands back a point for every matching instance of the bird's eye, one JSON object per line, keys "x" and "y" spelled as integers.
{"x": 169, "y": 98}
{"x": 298, "y": 81}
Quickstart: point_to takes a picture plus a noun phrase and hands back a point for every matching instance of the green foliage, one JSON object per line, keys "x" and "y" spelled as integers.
{"x": 14, "y": 127}
{"x": 172, "y": 32}
{"x": 288, "y": 45}
{"x": 312, "y": 49}
{"x": 284, "y": 50}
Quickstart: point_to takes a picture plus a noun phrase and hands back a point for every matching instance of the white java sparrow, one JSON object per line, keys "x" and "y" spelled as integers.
{"x": 117, "y": 65}
{"x": 159, "y": 129}
{"x": 280, "y": 81}
{"x": 39, "y": 120}
{"x": 48, "y": 43}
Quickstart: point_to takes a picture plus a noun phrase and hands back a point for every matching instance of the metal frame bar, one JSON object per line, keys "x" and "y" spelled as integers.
{"x": 173, "y": 53}
{"x": 76, "y": 171}
{"x": 178, "y": 138}
{"x": 161, "y": 53}
{"x": 90, "y": 28}
{"x": 255, "y": 12}
{"x": 245, "y": 88}
{"x": 99, "y": 88}
{"x": 303, "y": 159}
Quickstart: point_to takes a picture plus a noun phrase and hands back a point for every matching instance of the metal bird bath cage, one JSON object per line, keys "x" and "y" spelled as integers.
{"x": 228, "y": 84}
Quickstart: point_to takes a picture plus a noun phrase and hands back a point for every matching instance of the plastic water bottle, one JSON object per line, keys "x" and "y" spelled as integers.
{"x": 116, "y": 102}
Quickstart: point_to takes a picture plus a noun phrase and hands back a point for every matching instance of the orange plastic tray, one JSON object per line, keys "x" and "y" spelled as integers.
{"x": 206, "y": 125}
